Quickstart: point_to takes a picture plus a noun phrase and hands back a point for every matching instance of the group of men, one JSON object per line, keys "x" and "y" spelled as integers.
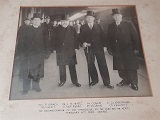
{"x": 122, "y": 42}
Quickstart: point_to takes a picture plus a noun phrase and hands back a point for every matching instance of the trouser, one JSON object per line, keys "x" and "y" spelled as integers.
{"x": 73, "y": 73}
{"x": 100, "y": 56}
{"x": 129, "y": 76}
{"x": 27, "y": 83}
{"x": 36, "y": 66}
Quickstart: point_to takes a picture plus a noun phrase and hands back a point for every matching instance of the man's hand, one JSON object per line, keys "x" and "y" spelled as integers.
{"x": 86, "y": 44}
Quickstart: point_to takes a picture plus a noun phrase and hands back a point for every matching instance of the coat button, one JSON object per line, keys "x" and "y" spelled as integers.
{"x": 116, "y": 40}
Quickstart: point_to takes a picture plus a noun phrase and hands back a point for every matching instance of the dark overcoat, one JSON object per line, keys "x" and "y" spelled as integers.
{"x": 33, "y": 45}
{"x": 65, "y": 45}
{"x": 123, "y": 40}
{"x": 48, "y": 28}
{"x": 94, "y": 36}
{"x": 53, "y": 36}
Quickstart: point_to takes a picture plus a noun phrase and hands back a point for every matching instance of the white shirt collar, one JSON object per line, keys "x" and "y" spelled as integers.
{"x": 35, "y": 26}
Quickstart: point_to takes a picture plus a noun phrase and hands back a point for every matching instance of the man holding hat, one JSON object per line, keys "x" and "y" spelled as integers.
{"x": 93, "y": 40}
{"x": 34, "y": 48}
{"x": 124, "y": 45}
{"x": 66, "y": 46}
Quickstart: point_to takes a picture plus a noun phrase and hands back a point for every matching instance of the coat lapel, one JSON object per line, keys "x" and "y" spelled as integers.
{"x": 67, "y": 35}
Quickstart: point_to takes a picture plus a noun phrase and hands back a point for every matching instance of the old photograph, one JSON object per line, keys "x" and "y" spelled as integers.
{"x": 79, "y": 52}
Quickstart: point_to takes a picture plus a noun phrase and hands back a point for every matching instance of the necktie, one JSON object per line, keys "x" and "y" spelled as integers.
{"x": 90, "y": 25}
{"x": 117, "y": 23}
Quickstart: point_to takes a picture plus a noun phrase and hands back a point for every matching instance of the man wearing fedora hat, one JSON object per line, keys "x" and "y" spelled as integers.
{"x": 48, "y": 26}
{"x": 92, "y": 39}
{"x": 66, "y": 45}
{"x": 124, "y": 45}
{"x": 21, "y": 30}
{"x": 34, "y": 48}
{"x": 23, "y": 26}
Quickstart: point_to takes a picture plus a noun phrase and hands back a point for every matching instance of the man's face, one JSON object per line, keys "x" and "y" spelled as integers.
{"x": 54, "y": 22}
{"x": 27, "y": 22}
{"x": 47, "y": 20}
{"x": 77, "y": 22}
{"x": 90, "y": 19}
{"x": 117, "y": 17}
{"x": 36, "y": 21}
{"x": 71, "y": 23}
{"x": 82, "y": 22}
{"x": 59, "y": 23}
{"x": 64, "y": 23}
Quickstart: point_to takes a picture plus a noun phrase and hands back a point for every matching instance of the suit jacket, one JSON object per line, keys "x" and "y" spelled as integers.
{"x": 123, "y": 40}
{"x": 95, "y": 36}
{"x": 65, "y": 45}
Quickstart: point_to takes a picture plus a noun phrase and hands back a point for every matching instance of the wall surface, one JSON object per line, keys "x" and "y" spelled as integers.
{"x": 142, "y": 108}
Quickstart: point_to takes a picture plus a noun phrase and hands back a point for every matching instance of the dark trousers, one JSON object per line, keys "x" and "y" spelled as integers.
{"x": 129, "y": 76}
{"x": 73, "y": 73}
{"x": 101, "y": 60}
{"x": 27, "y": 83}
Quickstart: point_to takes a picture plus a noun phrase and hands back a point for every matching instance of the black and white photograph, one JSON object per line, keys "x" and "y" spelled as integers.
{"x": 79, "y": 52}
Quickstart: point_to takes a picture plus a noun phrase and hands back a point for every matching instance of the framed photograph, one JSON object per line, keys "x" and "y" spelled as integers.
{"x": 79, "y": 60}
{"x": 52, "y": 70}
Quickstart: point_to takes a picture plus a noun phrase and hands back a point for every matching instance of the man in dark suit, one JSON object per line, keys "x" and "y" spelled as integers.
{"x": 53, "y": 35}
{"x": 20, "y": 32}
{"x": 33, "y": 48}
{"x": 47, "y": 25}
{"x": 92, "y": 38}
{"x": 66, "y": 46}
{"x": 124, "y": 46}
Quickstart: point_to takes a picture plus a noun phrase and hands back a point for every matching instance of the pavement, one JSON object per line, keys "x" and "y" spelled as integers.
{"x": 51, "y": 90}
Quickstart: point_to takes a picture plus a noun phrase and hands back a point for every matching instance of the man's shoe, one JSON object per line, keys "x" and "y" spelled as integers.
{"x": 92, "y": 83}
{"x": 24, "y": 92}
{"x": 122, "y": 83}
{"x": 37, "y": 89}
{"x": 134, "y": 87}
{"x": 77, "y": 84}
{"x": 109, "y": 86}
{"x": 61, "y": 84}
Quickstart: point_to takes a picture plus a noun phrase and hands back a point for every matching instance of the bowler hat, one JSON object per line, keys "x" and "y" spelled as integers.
{"x": 36, "y": 15}
{"x": 115, "y": 11}
{"x": 90, "y": 13}
{"x": 26, "y": 19}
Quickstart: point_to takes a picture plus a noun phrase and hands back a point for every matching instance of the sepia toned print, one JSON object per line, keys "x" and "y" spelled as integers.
{"x": 79, "y": 52}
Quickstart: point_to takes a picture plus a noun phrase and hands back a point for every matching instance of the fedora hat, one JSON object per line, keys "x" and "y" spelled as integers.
{"x": 90, "y": 13}
{"x": 26, "y": 19}
{"x": 36, "y": 15}
{"x": 115, "y": 11}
